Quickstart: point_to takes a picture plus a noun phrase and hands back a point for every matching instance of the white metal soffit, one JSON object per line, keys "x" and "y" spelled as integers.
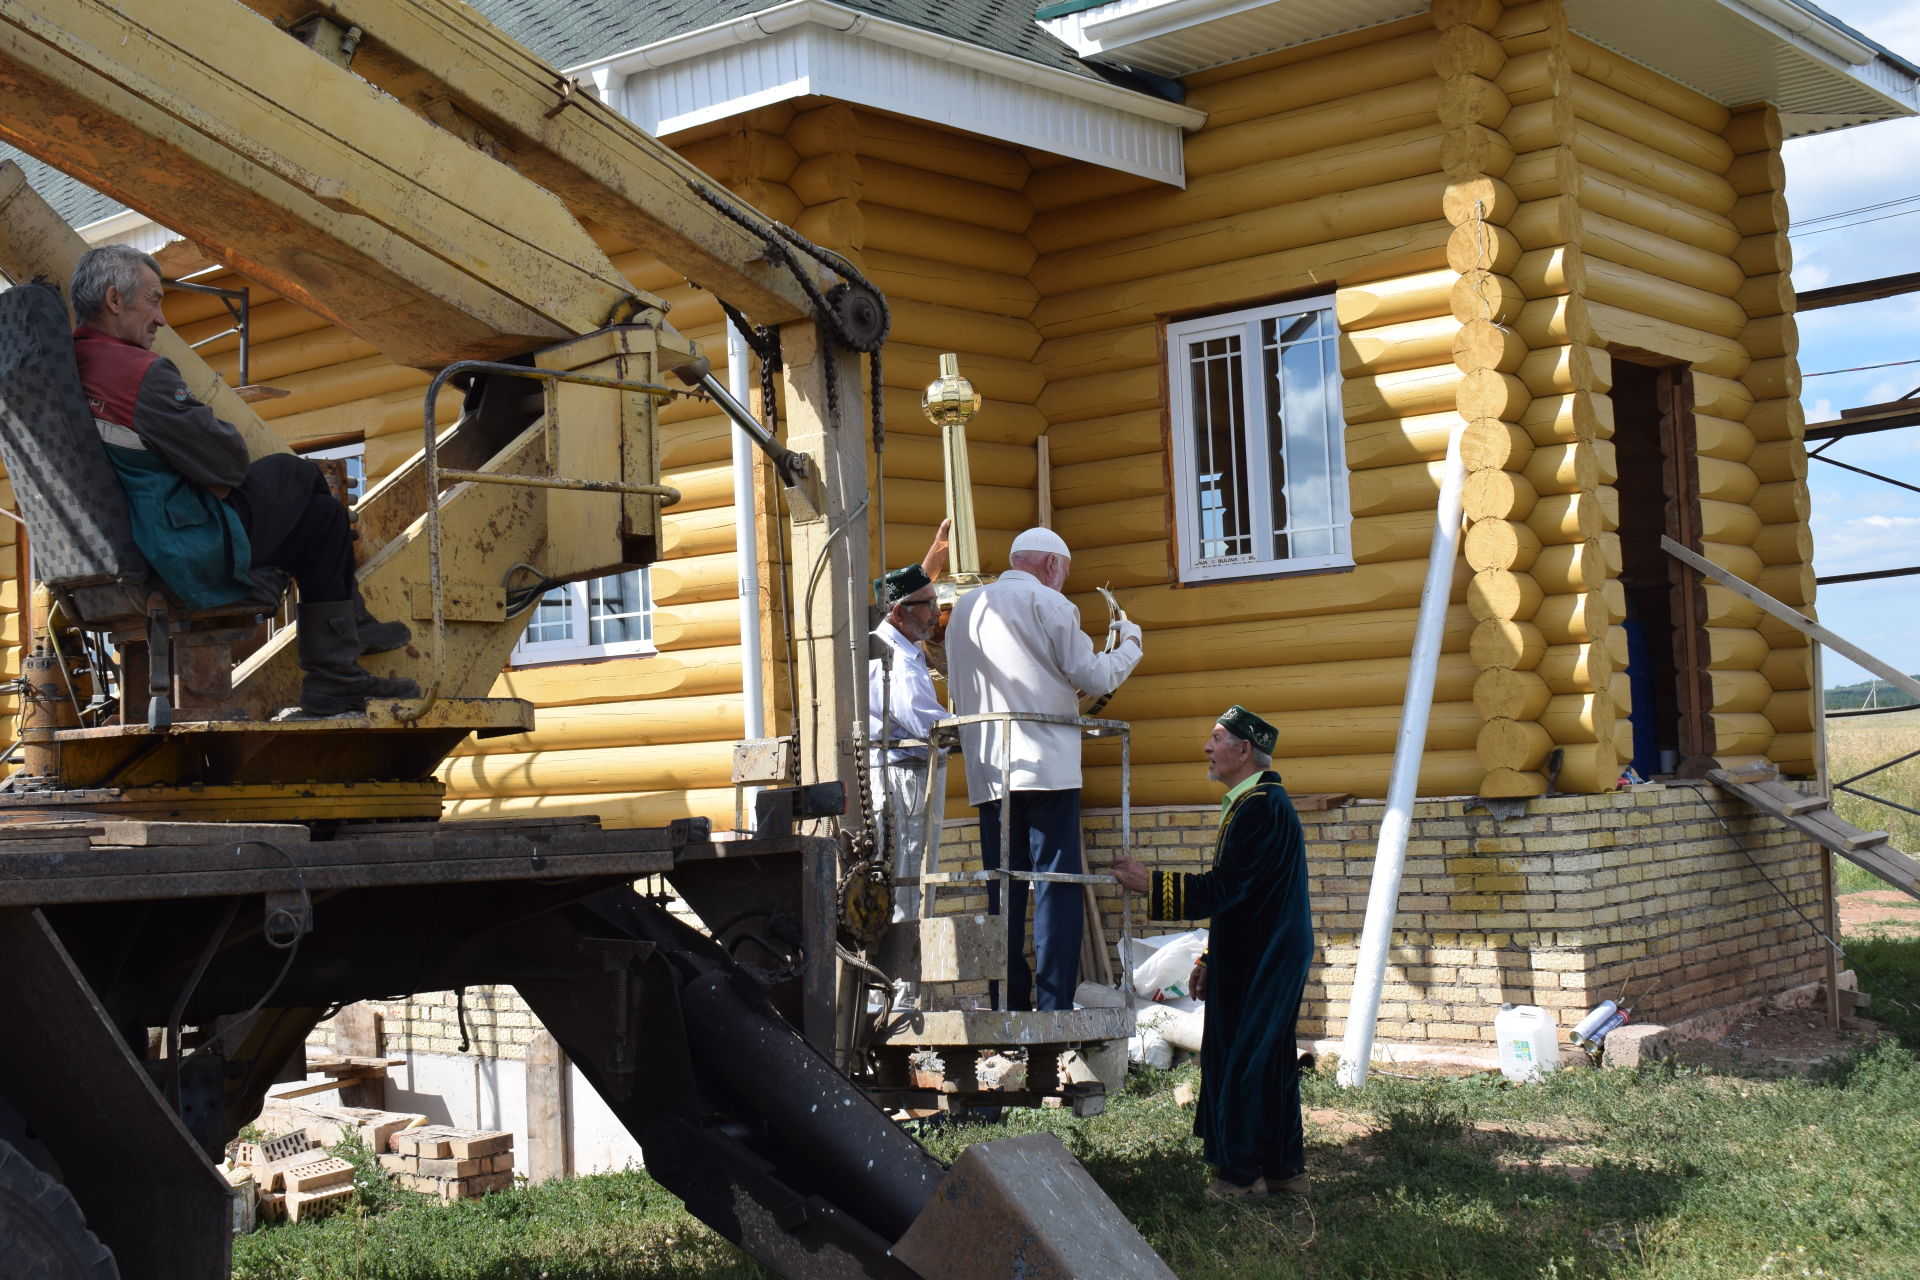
{"x": 1175, "y": 37}
{"x": 1741, "y": 51}
{"x": 815, "y": 47}
{"x": 1734, "y": 51}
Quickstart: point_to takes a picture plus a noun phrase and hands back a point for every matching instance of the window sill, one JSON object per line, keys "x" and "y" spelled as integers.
{"x": 1265, "y": 575}
{"x": 575, "y": 658}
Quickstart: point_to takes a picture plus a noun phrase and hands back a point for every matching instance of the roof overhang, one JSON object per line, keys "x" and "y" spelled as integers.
{"x": 1820, "y": 73}
{"x": 815, "y": 47}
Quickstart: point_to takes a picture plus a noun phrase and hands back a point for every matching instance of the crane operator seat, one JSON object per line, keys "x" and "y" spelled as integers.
{"x": 81, "y": 535}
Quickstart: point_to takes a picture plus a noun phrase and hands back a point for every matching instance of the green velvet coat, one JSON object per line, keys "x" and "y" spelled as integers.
{"x": 1260, "y": 943}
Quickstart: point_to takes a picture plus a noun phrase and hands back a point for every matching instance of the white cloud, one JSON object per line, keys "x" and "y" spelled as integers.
{"x": 1864, "y": 543}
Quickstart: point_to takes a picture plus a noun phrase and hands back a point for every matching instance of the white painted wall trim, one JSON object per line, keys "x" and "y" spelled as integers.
{"x": 816, "y": 47}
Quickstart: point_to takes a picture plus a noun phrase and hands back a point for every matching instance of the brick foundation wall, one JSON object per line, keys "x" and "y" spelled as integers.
{"x": 1557, "y": 902}
{"x": 1558, "y": 905}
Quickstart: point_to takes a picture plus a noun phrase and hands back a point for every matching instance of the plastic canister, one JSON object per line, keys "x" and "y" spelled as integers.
{"x": 1529, "y": 1042}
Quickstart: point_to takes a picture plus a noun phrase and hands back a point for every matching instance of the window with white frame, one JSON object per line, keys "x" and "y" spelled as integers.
{"x": 1259, "y": 451}
{"x": 601, "y": 618}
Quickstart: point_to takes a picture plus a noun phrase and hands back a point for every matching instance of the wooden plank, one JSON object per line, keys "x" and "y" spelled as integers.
{"x": 1788, "y": 802}
{"x": 549, "y": 1115}
{"x": 1867, "y": 849}
{"x": 1839, "y": 295}
{"x": 356, "y": 1034}
{"x": 323, "y": 1087}
{"x": 154, "y": 835}
{"x": 1795, "y": 619}
{"x": 42, "y": 831}
{"x": 986, "y": 1028}
{"x": 341, "y": 199}
{"x": 1318, "y": 801}
{"x": 433, "y": 52}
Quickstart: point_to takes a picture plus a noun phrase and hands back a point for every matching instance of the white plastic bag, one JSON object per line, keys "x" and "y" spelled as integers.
{"x": 1151, "y": 1049}
{"x": 1163, "y": 966}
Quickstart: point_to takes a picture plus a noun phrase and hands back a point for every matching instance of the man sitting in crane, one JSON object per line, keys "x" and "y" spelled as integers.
{"x": 203, "y": 514}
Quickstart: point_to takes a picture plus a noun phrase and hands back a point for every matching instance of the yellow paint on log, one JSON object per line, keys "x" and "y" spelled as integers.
{"x": 1501, "y": 594}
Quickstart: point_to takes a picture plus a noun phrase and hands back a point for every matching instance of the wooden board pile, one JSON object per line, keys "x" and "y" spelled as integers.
{"x": 453, "y": 1164}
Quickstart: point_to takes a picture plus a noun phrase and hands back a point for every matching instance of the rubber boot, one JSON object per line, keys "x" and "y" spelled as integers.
{"x": 377, "y": 636}
{"x": 329, "y": 646}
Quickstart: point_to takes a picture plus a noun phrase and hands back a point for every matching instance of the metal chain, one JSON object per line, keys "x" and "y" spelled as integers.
{"x": 780, "y": 242}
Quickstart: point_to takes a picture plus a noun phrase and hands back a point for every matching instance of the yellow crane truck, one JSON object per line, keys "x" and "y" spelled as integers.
{"x": 177, "y": 864}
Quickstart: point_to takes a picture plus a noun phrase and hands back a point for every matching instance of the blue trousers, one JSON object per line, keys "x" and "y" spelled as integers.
{"x": 1044, "y": 835}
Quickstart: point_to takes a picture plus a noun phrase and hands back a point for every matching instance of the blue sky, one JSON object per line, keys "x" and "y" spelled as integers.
{"x": 1861, "y": 524}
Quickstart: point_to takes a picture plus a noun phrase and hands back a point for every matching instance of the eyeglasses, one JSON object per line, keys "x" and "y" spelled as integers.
{"x": 919, "y": 604}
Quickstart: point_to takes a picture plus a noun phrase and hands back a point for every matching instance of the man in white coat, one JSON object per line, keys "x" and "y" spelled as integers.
{"x": 902, "y": 706}
{"x": 1016, "y": 645}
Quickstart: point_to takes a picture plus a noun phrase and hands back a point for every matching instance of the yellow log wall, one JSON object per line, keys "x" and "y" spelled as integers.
{"x": 1314, "y": 167}
{"x": 1777, "y": 428}
{"x": 1511, "y": 512}
{"x": 643, "y": 740}
{"x": 1495, "y": 206}
{"x": 1585, "y": 207}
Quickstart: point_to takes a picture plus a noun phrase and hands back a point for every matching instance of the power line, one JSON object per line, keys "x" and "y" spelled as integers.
{"x": 1791, "y": 235}
{"x": 1859, "y": 368}
{"x": 1865, "y": 208}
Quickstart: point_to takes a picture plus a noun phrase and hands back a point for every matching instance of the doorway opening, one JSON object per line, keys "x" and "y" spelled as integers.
{"x": 1667, "y": 653}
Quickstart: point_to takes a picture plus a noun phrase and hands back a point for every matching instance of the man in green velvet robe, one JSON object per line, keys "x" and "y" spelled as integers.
{"x": 1259, "y": 946}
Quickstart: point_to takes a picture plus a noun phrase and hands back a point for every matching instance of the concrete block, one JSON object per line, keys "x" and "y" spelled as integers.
{"x": 1637, "y": 1043}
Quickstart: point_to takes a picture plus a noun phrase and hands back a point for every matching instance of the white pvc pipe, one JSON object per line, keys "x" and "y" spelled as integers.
{"x": 746, "y": 545}
{"x": 1390, "y": 856}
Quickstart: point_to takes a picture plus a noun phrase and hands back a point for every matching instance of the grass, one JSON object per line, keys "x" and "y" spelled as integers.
{"x": 1656, "y": 1174}
{"x": 1660, "y": 1174}
{"x": 1854, "y": 745}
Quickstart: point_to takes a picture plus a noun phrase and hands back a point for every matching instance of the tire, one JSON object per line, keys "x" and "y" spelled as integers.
{"x": 46, "y": 1236}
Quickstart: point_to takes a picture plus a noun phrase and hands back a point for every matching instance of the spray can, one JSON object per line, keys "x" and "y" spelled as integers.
{"x": 1590, "y": 1041}
{"x": 1600, "y": 1033}
{"x": 1584, "y": 1030}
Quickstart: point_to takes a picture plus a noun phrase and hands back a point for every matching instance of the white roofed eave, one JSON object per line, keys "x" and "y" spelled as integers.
{"x": 1818, "y": 73}
{"x": 819, "y": 48}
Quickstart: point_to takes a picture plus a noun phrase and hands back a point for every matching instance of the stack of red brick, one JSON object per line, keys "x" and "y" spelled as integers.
{"x": 453, "y": 1164}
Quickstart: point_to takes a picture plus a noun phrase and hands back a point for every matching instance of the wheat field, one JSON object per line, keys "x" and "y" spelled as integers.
{"x": 1855, "y": 744}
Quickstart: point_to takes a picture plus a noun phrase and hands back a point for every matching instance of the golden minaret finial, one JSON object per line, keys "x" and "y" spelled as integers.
{"x": 949, "y": 402}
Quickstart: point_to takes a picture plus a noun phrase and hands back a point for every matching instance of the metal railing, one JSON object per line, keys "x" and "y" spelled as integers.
{"x": 667, "y": 494}
{"x": 944, "y": 740}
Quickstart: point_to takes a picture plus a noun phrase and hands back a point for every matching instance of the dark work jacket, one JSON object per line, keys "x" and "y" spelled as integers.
{"x": 168, "y": 448}
{"x": 1259, "y": 945}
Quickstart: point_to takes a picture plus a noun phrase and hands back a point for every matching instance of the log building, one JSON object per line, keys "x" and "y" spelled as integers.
{"x": 1229, "y": 278}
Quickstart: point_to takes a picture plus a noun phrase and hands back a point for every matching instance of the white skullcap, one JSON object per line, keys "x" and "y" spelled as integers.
{"x": 1045, "y": 540}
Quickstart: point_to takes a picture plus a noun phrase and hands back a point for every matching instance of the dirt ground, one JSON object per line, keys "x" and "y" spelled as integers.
{"x": 1885, "y": 911}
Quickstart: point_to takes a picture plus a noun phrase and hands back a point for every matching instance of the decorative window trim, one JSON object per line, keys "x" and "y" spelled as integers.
{"x": 574, "y": 646}
{"x": 1250, "y": 437}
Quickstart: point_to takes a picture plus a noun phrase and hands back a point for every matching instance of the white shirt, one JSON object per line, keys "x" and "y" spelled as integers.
{"x": 911, "y": 705}
{"x": 1016, "y": 645}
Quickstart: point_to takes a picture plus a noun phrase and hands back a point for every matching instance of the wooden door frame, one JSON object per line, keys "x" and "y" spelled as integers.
{"x": 1680, "y": 482}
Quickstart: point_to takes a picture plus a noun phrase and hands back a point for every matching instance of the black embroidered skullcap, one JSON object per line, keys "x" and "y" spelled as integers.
{"x": 1242, "y": 723}
{"x": 897, "y": 584}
